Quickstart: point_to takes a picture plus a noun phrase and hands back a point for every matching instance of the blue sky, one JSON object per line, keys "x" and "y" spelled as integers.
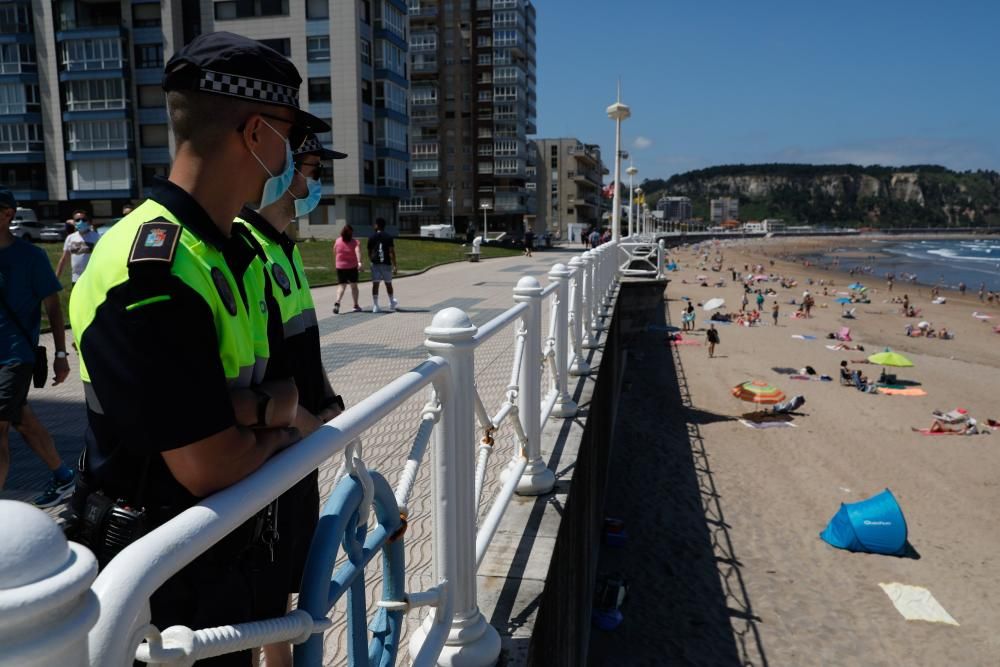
{"x": 720, "y": 82}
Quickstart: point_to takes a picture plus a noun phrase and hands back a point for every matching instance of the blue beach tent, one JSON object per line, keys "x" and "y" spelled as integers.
{"x": 875, "y": 525}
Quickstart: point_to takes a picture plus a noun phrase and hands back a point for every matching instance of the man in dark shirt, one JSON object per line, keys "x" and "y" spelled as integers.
{"x": 382, "y": 255}
{"x": 27, "y": 280}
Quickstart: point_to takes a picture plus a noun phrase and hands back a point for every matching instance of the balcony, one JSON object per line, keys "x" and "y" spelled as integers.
{"x": 424, "y": 67}
{"x": 422, "y": 12}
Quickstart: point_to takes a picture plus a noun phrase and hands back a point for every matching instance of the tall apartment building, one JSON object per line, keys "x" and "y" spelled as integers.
{"x": 83, "y": 118}
{"x": 724, "y": 208}
{"x": 568, "y": 182}
{"x": 675, "y": 208}
{"x": 472, "y": 107}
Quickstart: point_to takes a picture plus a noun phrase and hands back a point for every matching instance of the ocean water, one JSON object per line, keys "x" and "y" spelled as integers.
{"x": 945, "y": 262}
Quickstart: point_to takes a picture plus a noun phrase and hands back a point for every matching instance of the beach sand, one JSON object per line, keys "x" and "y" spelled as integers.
{"x": 788, "y": 597}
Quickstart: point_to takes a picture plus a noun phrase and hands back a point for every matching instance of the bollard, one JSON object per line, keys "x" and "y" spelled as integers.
{"x": 537, "y": 478}
{"x": 565, "y": 406}
{"x": 578, "y": 364}
{"x": 472, "y": 642}
{"x": 46, "y": 605}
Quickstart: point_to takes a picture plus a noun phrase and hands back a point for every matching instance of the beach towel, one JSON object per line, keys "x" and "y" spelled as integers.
{"x": 803, "y": 337}
{"x": 927, "y": 431}
{"x": 909, "y": 391}
{"x": 844, "y": 334}
{"x": 684, "y": 341}
{"x": 762, "y": 425}
{"x": 982, "y": 316}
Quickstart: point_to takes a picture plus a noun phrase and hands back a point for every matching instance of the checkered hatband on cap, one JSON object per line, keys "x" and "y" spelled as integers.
{"x": 310, "y": 145}
{"x": 250, "y": 89}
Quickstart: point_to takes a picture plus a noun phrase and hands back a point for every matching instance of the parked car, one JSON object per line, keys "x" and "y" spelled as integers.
{"x": 54, "y": 231}
{"x": 25, "y": 225}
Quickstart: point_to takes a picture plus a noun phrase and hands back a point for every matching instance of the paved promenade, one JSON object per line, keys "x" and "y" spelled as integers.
{"x": 362, "y": 352}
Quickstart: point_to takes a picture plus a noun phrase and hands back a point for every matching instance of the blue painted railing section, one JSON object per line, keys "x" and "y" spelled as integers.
{"x": 322, "y": 586}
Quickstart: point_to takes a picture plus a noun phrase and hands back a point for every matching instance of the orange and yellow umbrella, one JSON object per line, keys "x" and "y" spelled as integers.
{"x": 758, "y": 391}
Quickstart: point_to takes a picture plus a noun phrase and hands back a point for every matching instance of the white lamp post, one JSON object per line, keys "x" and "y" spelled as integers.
{"x": 618, "y": 112}
{"x": 451, "y": 200}
{"x": 638, "y": 223}
{"x": 631, "y": 171}
{"x": 485, "y": 206}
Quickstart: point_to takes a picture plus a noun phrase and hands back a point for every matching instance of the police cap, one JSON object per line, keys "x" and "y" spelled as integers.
{"x": 312, "y": 146}
{"x": 222, "y": 63}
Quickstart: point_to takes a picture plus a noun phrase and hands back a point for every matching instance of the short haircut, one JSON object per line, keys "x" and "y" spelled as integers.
{"x": 80, "y": 210}
{"x": 205, "y": 120}
{"x": 380, "y": 223}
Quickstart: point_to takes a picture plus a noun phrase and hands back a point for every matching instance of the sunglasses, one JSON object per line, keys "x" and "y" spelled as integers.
{"x": 296, "y": 133}
{"x": 318, "y": 169}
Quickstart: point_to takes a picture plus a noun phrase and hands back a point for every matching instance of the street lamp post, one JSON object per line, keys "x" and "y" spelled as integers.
{"x": 451, "y": 200}
{"x": 638, "y": 223}
{"x": 631, "y": 171}
{"x": 618, "y": 112}
{"x": 485, "y": 206}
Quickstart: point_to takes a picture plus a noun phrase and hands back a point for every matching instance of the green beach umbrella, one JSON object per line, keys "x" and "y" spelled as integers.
{"x": 889, "y": 358}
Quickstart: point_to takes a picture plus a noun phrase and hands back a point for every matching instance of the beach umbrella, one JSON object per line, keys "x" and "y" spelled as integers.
{"x": 758, "y": 391}
{"x": 889, "y": 358}
{"x": 843, "y": 299}
{"x": 713, "y": 304}
{"x": 856, "y": 286}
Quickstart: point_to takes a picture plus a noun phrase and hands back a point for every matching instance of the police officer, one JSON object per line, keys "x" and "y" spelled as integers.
{"x": 165, "y": 326}
{"x": 293, "y": 335}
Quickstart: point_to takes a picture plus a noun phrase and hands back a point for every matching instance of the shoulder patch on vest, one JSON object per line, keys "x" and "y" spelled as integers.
{"x": 281, "y": 278}
{"x": 156, "y": 241}
{"x": 225, "y": 292}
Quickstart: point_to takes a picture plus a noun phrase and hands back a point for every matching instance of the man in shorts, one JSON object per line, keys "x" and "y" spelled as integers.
{"x": 382, "y": 255}
{"x": 26, "y": 281}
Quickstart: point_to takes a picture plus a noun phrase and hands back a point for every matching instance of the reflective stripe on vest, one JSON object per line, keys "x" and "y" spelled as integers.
{"x": 240, "y": 349}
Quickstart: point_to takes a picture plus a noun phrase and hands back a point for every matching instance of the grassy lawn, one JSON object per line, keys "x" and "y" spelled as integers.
{"x": 317, "y": 256}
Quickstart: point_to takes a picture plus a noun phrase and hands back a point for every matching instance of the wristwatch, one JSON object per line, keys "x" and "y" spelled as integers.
{"x": 61, "y": 354}
{"x": 337, "y": 400}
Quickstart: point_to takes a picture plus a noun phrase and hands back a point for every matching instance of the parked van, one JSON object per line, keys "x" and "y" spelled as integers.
{"x": 25, "y": 225}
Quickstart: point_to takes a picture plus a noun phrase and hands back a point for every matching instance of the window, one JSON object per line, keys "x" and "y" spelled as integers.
{"x": 153, "y": 136}
{"x": 484, "y": 59}
{"x": 369, "y": 131}
{"x": 95, "y": 94}
{"x": 317, "y": 9}
{"x": 282, "y": 45}
{"x": 245, "y": 9}
{"x": 424, "y": 168}
{"x": 319, "y": 89}
{"x": 91, "y": 54}
{"x": 390, "y": 96}
{"x": 151, "y": 171}
{"x": 152, "y": 97}
{"x": 15, "y": 18}
{"x": 98, "y": 135}
{"x": 366, "y": 14}
{"x": 17, "y": 58}
{"x": 391, "y": 57}
{"x": 390, "y": 134}
{"x": 145, "y": 15}
{"x": 366, "y": 91}
{"x": 18, "y": 98}
{"x": 101, "y": 174}
{"x": 326, "y": 138}
{"x": 369, "y": 172}
{"x": 317, "y": 49}
{"x": 423, "y": 96}
{"x": 387, "y": 17}
{"x": 423, "y": 42}
{"x": 20, "y": 137}
{"x": 149, "y": 55}
{"x": 392, "y": 173}
{"x": 507, "y": 167}
{"x": 366, "y": 52}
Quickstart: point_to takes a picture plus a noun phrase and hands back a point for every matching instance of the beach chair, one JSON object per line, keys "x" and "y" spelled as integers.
{"x": 844, "y": 334}
{"x": 956, "y": 416}
{"x": 846, "y": 377}
{"x": 792, "y": 404}
{"x": 848, "y": 314}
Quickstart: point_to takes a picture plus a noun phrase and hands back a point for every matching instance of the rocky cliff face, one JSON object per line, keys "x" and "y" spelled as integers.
{"x": 904, "y": 187}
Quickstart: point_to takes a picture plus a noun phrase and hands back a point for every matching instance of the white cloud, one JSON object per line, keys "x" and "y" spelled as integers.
{"x": 641, "y": 143}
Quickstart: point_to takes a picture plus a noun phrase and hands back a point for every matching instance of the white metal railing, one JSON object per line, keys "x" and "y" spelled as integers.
{"x": 579, "y": 298}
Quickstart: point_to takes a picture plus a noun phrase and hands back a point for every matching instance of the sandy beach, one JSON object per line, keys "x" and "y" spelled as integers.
{"x": 765, "y": 495}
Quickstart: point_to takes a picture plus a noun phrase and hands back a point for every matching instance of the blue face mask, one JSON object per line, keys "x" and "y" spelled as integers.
{"x": 305, "y": 205}
{"x": 276, "y": 185}
{"x": 82, "y": 226}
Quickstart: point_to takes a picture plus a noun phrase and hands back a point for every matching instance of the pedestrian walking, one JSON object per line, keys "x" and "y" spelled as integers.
{"x": 595, "y": 238}
{"x": 347, "y": 260}
{"x": 774, "y": 313}
{"x": 77, "y": 248}
{"x": 529, "y": 241}
{"x": 27, "y": 283}
{"x": 382, "y": 257}
{"x": 169, "y": 314}
{"x": 295, "y": 346}
{"x": 713, "y": 339}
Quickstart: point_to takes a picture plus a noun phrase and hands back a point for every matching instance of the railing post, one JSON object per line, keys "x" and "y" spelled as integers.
{"x": 564, "y": 406}
{"x": 472, "y": 642}
{"x": 596, "y": 292}
{"x": 607, "y": 254}
{"x": 661, "y": 254}
{"x": 537, "y": 478}
{"x": 578, "y": 365}
{"x": 46, "y": 605}
{"x": 588, "y": 293}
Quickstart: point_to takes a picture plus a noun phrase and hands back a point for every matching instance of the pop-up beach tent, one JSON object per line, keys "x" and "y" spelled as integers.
{"x": 875, "y": 525}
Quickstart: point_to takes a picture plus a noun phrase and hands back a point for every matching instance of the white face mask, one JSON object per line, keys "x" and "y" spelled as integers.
{"x": 275, "y": 186}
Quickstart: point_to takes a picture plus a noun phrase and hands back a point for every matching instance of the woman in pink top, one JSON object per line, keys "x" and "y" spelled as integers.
{"x": 347, "y": 260}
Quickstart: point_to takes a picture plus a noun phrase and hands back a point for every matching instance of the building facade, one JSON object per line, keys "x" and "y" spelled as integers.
{"x": 675, "y": 208}
{"x": 724, "y": 208}
{"x": 83, "y": 118}
{"x": 569, "y": 176}
{"x": 472, "y": 107}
